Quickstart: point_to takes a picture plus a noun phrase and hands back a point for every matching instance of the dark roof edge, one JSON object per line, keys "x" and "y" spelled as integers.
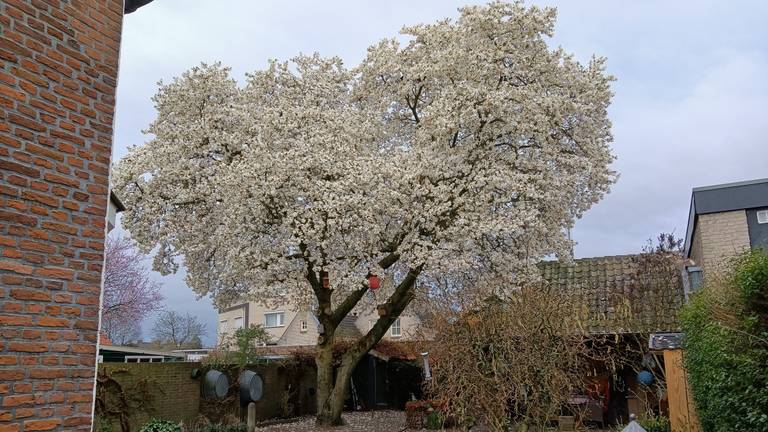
{"x": 116, "y": 201}
{"x": 690, "y": 227}
{"x": 730, "y": 185}
{"x": 132, "y": 5}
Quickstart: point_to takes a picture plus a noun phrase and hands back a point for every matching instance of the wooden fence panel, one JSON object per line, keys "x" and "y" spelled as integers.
{"x": 682, "y": 413}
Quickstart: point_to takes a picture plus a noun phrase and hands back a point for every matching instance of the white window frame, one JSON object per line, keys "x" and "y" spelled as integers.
{"x": 223, "y": 327}
{"x": 238, "y": 325}
{"x": 304, "y": 326}
{"x": 144, "y": 359}
{"x": 281, "y": 320}
{"x": 395, "y": 330}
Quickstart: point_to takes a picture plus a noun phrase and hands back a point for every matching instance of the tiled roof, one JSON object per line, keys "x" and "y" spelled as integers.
{"x": 613, "y": 295}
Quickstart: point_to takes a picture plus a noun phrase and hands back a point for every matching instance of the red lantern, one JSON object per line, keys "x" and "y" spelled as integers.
{"x": 374, "y": 282}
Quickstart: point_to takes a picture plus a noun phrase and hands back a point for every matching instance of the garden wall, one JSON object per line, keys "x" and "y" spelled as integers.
{"x": 129, "y": 394}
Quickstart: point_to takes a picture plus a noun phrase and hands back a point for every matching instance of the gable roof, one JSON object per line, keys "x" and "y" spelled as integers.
{"x": 722, "y": 198}
{"x": 613, "y": 297}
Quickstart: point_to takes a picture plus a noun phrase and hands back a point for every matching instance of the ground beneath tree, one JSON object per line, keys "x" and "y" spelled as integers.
{"x": 362, "y": 421}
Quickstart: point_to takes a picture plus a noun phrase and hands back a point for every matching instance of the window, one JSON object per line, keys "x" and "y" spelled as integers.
{"x": 304, "y": 326}
{"x": 223, "y": 327}
{"x": 762, "y": 217}
{"x": 395, "y": 329}
{"x": 238, "y": 323}
{"x": 273, "y": 319}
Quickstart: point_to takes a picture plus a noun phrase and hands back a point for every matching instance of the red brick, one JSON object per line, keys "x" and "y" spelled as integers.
{"x": 27, "y": 347}
{"x": 41, "y": 425}
{"x": 46, "y": 321}
{"x": 8, "y": 165}
{"x": 54, "y": 178}
{"x": 25, "y": 294}
{"x": 11, "y": 374}
{"x": 55, "y": 272}
{"x": 15, "y": 320}
{"x": 41, "y": 198}
{"x": 8, "y": 360}
{"x": 67, "y": 229}
{"x": 15, "y": 267}
{"x": 18, "y": 400}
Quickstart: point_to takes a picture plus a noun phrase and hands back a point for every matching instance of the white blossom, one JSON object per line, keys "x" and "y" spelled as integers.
{"x": 472, "y": 145}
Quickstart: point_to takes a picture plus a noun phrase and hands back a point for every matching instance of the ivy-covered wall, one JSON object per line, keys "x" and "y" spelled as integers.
{"x": 129, "y": 394}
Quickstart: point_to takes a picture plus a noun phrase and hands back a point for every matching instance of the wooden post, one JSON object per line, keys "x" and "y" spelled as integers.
{"x": 251, "y": 417}
{"x": 682, "y": 413}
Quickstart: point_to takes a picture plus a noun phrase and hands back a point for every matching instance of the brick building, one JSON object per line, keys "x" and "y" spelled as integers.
{"x": 57, "y": 97}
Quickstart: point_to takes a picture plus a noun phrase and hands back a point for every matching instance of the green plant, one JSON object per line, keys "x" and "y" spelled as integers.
{"x": 726, "y": 343}
{"x": 239, "y": 348}
{"x": 104, "y": 425}
{"x": 655, "y": 424}
{"x": 435, "y": 420}
{"x": 156, "y": 425}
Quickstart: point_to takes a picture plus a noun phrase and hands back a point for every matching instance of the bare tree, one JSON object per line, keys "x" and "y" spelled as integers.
{"x": 178, "y": 331}
{"x": 130, "y": 295}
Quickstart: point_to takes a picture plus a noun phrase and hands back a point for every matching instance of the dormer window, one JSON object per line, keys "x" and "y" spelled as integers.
{"x": 762, "y": 217}
{"x": 394, "y": 331}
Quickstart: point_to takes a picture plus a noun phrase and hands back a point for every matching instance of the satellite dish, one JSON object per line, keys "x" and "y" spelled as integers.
{"x": 251, "y": 387}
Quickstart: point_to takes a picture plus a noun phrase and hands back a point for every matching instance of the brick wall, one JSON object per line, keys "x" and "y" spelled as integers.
{"x": 172, "y": 392}
{"x": 720, "y": 235}
{"x": 57, "y": 93}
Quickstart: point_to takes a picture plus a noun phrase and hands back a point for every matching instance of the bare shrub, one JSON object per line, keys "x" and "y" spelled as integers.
{"x": 517, "y": 360}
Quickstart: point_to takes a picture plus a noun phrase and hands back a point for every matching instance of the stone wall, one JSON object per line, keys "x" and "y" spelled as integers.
{"x": 57, "y": 95}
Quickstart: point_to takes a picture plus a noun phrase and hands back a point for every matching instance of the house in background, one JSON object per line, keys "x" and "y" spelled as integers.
{"x": 291, "y": 325}
{"x": 724, "y": 220}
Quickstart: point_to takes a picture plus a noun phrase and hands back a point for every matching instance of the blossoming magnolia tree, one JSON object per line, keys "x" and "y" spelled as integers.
{"x": 470, "y": 145}
{"x": 130, "y": 294}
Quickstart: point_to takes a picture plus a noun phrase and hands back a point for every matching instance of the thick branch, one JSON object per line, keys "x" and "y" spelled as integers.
{"x": 395, "y": 305}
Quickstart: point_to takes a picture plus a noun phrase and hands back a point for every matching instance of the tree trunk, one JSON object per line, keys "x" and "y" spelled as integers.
{"x": 334, "y": 390}
{"x": 326, "y": 400}
{"x": 331, "y": 392}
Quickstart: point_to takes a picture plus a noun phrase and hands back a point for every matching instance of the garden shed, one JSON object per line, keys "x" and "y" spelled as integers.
{"x": 623, "y": 299}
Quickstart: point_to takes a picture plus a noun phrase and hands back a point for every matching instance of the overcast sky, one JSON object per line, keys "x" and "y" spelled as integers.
{"x": 690, "y": 106}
